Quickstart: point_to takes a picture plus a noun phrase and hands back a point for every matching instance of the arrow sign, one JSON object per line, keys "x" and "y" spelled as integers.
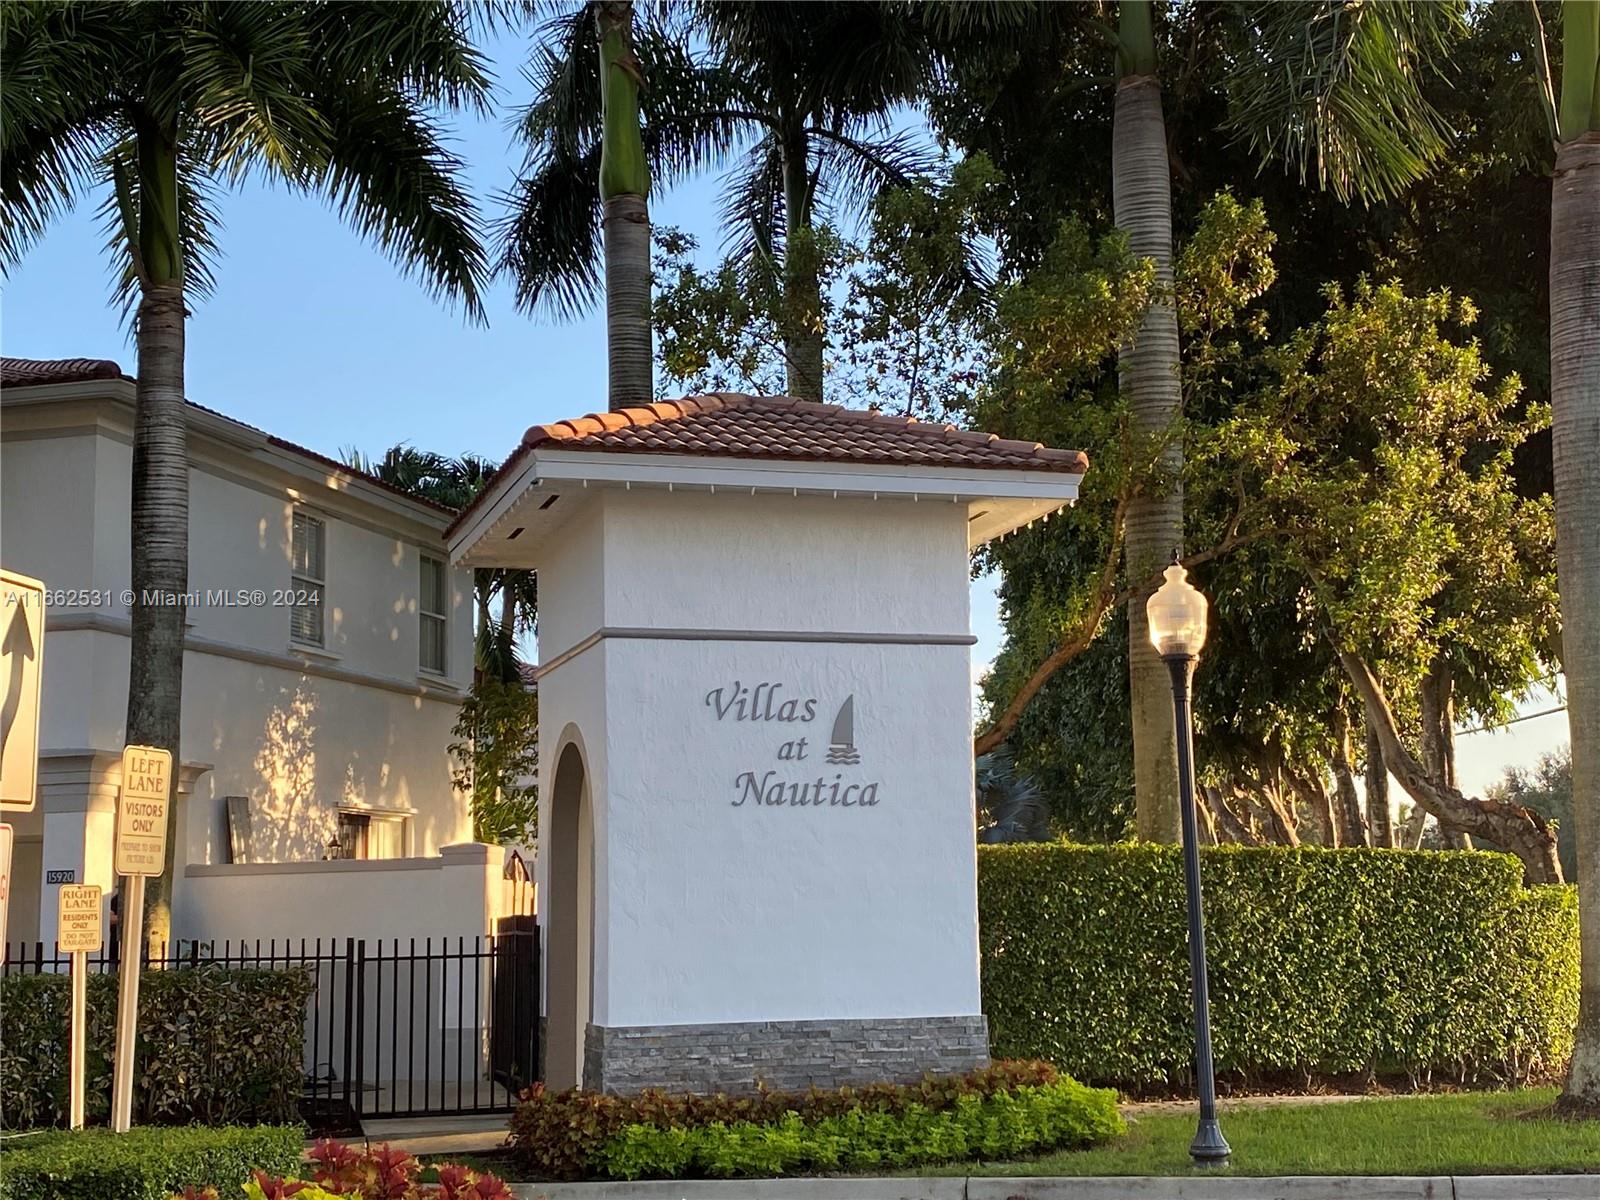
{"x": 17, "y": 651}
{"x": 21, "y": 662}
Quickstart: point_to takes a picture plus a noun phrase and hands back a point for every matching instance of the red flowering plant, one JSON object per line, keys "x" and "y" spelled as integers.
{"x": 381, "y": 1173}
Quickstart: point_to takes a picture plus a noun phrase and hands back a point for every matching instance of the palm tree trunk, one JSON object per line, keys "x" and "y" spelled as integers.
{"x": 160, "y": 499}
{"x": 1379, "y": 820}
{"x": 803, "y": 335}
{"x": 625, "y": 193}
{"x": 1141, "y": 188}
{"x": 1575, "y": 398}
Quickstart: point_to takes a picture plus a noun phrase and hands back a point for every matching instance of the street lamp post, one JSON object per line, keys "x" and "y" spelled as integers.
{"x": 1177, "y": 619}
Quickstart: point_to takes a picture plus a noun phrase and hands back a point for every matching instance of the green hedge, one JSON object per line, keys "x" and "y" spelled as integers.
{"x": 1002, "y": 1110}
{"x": 142, "y": 1164}
{"x": 217, "y": 1045}
{"x": 1323, "y": 963}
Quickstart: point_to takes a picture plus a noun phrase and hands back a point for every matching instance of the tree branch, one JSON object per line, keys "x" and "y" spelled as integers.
{"x": 1520, "y": 830}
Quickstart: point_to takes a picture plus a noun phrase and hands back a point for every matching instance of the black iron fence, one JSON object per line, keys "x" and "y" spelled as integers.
{"x": 394, "y": 1027}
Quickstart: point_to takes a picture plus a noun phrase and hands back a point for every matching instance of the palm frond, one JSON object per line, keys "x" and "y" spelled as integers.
{"x": 198, "y": 225}
{"x": 59, "y": 116}
{"x": 852, "y": 171}
{"x": 548, "y": 238}
{"x": 752, "y": 204}
{"x": 247, "y": 86}
{"x": 425, "y": 48}
{"x": 1335, "y": 88}
{"x": 390, "y": 174}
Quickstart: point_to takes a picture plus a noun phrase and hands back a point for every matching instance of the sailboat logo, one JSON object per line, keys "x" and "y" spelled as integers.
{"x": 842, "y": 745}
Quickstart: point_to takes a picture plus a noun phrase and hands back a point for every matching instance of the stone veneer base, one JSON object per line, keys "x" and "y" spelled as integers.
{"x": 785, "y": 1055}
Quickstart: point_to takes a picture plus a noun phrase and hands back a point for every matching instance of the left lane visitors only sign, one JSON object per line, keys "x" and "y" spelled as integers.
{"x": 21, "y": 653}
{"x": 141, "y": 844}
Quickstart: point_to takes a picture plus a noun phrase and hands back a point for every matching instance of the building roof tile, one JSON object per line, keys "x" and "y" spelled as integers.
{"x": 780, "y": 427}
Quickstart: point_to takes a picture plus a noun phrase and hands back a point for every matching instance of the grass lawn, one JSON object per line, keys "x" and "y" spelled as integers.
{"x": 1479, "y": 1133}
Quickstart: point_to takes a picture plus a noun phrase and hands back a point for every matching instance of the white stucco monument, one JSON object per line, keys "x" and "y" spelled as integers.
{"x": 756, "y": 813}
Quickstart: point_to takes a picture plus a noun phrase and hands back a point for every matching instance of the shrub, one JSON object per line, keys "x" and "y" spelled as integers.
{"x": 574, "y": 1134}
{"x": 1008, "y": 1124}
{"x": 143, "y": 1164}
{"x": 1322, "y": 963}
{"x": 372, "y": 1174}
{"x": 217, "y": 1045}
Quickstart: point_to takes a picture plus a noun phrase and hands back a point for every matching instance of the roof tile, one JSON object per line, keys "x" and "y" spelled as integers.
{"x": 781, "y": 427}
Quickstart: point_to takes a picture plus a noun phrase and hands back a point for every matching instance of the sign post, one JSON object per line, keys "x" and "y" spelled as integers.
{"x": 79, "y": 934}
{"x": 140, "y": 851}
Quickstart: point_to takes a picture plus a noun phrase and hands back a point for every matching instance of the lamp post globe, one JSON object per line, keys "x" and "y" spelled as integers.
{"x": 1176, "y": 613}
{"x": 1177, "y": 620}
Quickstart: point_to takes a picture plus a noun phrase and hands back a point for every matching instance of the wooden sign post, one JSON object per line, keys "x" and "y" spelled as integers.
{"x": 140, "y": 851}
{"x": 78, "y": 923}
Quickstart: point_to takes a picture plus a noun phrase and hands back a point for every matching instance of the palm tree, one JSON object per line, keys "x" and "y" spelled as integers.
{"x": 805, "y": 88}
{"x": 1332, "y": 86}
{"x": 1141, "y": 191}
{"x": 168, "y": 101}
{"x": 1575, "y": 401}
{"x": 625, "y": 198}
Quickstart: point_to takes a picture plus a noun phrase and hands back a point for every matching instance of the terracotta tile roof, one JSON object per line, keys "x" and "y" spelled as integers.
{"x": 733, "y": 425}
{"x": 21, "y": 372}
{"x": 27, "y": 372}
{"x": 781, "y": 427}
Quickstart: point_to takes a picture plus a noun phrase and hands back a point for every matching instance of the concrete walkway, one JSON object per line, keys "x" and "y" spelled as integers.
{"x": 1290, "y": 1187}
{"x": 476, "y": 1134}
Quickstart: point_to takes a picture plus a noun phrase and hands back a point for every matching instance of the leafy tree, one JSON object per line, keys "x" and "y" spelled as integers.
{"x": 1328, "y": 84}
{"x": 906, "y": 304}
{"x": 496, "y": 754}
{"x": 1382, "y": 456}
{"x": 169, "y": 102}
{"x": 804, "y": 91}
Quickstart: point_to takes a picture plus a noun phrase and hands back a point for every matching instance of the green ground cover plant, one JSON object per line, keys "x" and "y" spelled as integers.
{"x": 217, "y": 1046}
{"x": 1007, "y": 1109}
{"x": 146, "y": 1163}
{"x": 1413, "y": 967}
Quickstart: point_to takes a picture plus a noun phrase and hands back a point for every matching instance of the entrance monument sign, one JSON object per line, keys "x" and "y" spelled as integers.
{"x": 757, "y": 855}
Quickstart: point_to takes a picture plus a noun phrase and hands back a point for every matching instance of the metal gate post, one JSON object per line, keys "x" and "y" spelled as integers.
{"x": 349, "y": 1023}
{"x": 359, "y": 1075}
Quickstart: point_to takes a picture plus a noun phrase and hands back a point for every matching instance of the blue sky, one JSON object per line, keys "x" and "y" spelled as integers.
{"x": 314, "y": 336}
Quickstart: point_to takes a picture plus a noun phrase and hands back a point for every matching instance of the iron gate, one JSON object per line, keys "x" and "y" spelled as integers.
{"x": 394, "y": 1027}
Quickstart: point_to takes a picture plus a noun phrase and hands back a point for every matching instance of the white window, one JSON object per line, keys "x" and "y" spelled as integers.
{"x": 372, "y": 835}
{"x": 431, "y": 610}
{"x": 309, "y": 580}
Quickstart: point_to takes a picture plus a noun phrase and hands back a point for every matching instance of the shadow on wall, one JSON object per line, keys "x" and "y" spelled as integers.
{"x": 290, "y": 823}
{"x": 301, "y": 748}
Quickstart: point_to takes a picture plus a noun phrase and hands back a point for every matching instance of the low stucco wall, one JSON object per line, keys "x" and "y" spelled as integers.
{"x": 459, "y": 893}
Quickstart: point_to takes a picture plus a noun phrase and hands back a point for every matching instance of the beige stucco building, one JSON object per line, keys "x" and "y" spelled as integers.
{"x": 329, "y": 647}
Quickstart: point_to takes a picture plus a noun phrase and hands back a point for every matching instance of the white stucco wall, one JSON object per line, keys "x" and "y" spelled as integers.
{"x": 301, "y": 732}
{"x": 709, "y": 906}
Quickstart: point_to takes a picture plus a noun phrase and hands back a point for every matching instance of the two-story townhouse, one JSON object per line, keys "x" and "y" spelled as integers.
{"x": 329, "y": 647}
